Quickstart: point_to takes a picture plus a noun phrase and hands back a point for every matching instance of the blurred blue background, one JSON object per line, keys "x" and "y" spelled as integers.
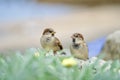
{"x": 22, "y": 9}
{"x": 95, "y": 46}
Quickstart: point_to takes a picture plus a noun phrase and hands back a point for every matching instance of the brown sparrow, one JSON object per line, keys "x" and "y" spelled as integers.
{"x": 79, "y": 48}
{"x": 49, "y": 41}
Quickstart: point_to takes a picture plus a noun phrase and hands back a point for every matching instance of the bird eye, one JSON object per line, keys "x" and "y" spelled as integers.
{"x": 50, "y": 31}
{"x": 76, "y": 36}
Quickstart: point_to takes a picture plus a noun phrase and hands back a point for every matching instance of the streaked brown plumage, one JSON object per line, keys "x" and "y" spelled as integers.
{"x": 49, "y": 41}
{"x": 79, "y": 47}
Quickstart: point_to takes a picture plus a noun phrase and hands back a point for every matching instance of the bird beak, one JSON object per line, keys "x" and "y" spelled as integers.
{"x": 53, "y": 33}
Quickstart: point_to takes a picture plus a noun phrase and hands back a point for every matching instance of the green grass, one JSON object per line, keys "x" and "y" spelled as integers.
{"x": 30, "y": 67}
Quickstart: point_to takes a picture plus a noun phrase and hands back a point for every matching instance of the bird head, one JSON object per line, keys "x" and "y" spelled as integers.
{"x": 77, "y": 38}
{"x": 49, "y": 31}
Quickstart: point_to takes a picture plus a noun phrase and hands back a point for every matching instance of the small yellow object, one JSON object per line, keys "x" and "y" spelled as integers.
{"x": 69, "y": 62}
{"x": 36, "y": 54}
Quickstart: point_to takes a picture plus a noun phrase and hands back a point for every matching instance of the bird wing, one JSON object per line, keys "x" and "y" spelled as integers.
{"x": 57, "y": 42}
{"x": 86, "y": 50}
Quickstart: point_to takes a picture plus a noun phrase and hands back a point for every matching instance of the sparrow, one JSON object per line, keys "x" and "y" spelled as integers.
{"x": 78, "y": 47}
{"x": 49, "y": 41}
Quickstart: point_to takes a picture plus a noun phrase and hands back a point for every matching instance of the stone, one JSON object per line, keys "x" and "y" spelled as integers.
{"x": 111, "y": 48}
